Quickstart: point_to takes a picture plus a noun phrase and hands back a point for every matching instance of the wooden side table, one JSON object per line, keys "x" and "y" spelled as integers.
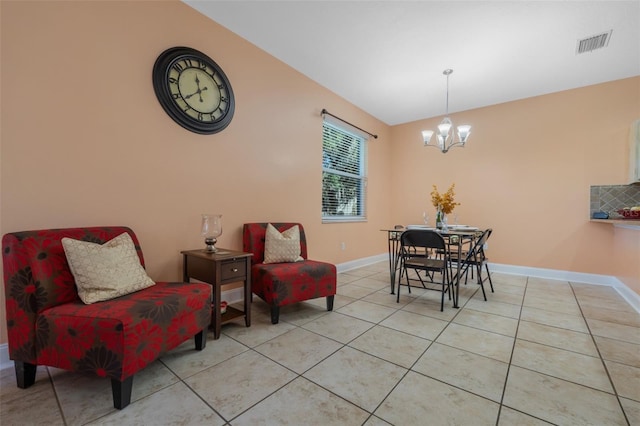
{"x": 221, "y": 267}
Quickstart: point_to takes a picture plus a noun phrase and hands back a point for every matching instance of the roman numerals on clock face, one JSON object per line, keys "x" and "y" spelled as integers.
{"x": 198, "y": 89}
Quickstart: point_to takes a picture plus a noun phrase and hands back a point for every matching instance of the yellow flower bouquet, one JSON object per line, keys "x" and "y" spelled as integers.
{"x": 444, "y": 202}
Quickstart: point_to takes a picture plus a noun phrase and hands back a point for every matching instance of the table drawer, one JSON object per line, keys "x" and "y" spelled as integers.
{"x": 233, "y": 269}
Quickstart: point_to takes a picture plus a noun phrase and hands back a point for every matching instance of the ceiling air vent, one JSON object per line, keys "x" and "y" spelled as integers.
{"x": 592, "y": 43}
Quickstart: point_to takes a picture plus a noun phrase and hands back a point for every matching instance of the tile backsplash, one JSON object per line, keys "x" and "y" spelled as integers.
{"x": 609, "y": 198}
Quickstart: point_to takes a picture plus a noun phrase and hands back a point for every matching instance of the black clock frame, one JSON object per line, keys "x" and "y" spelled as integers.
{"x": 161, "y": 87}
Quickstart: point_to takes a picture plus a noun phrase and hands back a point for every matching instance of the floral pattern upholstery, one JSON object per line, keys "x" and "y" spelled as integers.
{"x": 48, "y": 324}
{"x": 281, "y": 284}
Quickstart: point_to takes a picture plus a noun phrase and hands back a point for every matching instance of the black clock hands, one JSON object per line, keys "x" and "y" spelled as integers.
{"x": 197, "y": 92}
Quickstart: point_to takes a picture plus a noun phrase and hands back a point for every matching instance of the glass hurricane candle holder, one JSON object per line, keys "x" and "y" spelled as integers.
{"x": 211, "y": 229}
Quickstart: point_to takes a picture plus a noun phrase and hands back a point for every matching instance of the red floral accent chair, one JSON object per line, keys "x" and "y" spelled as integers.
{"x": 281, "y": 284}
{"x": 49, "y": 325}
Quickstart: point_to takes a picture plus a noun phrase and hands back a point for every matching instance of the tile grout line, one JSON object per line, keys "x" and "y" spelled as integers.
{"x": 604, "y": 364}
{"x": 506, "y": 379}
{"x": 301, "y": 375}
{"x": 410, "y": 369}
{"x": 407, "y": 369}
{"x": 55, "y": 394}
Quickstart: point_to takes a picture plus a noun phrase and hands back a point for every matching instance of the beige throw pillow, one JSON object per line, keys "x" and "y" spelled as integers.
{"x": 106, "y": 271}
{"x": 282, "y": 247}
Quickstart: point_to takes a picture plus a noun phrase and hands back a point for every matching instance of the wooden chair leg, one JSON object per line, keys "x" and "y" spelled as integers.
{"x": 121, "y": 391}
{"x": 330, "y": 303}
{"x": 25, "y": 374}
{"x": 275, "y": 314}
{"x": 201, "y": 340}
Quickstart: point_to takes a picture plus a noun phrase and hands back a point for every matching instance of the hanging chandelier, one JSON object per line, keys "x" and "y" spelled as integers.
{"x": 446, "y": 139}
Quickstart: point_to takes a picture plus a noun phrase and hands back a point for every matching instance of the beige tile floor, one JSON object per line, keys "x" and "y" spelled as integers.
{"x": 537, "y": 352}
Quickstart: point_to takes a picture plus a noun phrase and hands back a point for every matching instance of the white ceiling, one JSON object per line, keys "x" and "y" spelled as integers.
{"x": 387, "y": 57}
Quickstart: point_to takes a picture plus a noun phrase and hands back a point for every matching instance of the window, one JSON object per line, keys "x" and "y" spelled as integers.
{"x": 343, "y": 174}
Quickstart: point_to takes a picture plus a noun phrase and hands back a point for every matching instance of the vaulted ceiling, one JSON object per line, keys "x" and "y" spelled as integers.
{"x": 388, "y": 57}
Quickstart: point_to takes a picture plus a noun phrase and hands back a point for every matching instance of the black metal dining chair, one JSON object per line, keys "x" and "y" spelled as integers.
{"x": 418, "y": 248}
{"x": 476, "y": 259}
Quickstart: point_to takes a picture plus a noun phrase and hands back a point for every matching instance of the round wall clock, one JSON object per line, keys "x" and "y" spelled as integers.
{"x": 193, "y": 90}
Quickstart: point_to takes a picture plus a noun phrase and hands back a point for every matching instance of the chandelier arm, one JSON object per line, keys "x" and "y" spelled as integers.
{"x": 446, "y": 147}
{"x": 433, "y": 146}
{"x": 460, "y": 144}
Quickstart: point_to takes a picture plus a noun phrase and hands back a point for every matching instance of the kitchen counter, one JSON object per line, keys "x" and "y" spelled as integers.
{"x": 622, "y": 223}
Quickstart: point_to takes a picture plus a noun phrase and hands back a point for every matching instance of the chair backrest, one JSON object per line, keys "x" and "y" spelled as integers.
{"x": 477, "y": 250}
{"x": 424, "y": 238}
{"x": 253, "y": 235}
{"x": 37, "y": 275}
{"x": 485, "y": 236}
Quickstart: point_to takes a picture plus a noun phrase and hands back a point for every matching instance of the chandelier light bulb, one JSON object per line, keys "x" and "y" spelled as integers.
{"x": 426, "y": 136}
{"x": 464, "y": 132}
{"x": 445, "y": 127}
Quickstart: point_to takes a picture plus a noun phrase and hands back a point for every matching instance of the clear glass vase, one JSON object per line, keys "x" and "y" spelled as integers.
{"x": 211, "y": 229}
{"x": 441, "y": 220}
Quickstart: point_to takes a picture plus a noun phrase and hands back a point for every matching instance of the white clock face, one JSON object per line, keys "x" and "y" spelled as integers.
{"x": 198, "y": 90}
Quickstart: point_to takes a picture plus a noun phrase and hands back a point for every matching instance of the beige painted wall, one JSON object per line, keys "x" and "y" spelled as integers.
{"x": 85, "y": 142}
{"x": 526, "y": 173}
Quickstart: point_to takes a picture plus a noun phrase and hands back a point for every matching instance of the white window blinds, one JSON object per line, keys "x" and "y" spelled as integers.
{"x": 343, "y": 174}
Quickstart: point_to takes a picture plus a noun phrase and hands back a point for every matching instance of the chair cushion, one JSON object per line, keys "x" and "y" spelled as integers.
{"x": 280, "y": 284}
{"x": 105, "y": 271}
{"x": 117, "y": 338}
{"x": 282, "y": 246}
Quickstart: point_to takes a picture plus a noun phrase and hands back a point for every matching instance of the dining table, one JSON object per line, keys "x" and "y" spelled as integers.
{"x": 456, "y": 236}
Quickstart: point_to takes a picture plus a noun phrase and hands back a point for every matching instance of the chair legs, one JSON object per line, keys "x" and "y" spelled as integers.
{"x": 121, "y": 391}
{"x": 446, "y": 285}
{"x": 201, "y": 340}
{"x": 480, "y": 280}
{"x": 275, "y": 310}
{"x": 25, "y": 374}
{"x": 275, "y": 314}
{"x": 489, "y": 276}
{"x": 403, "y": 271}
{"x": 330, "y": 303}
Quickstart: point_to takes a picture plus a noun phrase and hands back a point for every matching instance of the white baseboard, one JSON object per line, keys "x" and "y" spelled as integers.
{"x": 237, "y": 294}
{"x": 359, "y": 263}
{"x": 553, "y": 274}
{"x": 5, "y": 362}
{"x": 629, "y": 295}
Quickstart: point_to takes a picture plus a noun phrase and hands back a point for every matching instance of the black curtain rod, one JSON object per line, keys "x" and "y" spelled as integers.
{"x": 324, "y": 111}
